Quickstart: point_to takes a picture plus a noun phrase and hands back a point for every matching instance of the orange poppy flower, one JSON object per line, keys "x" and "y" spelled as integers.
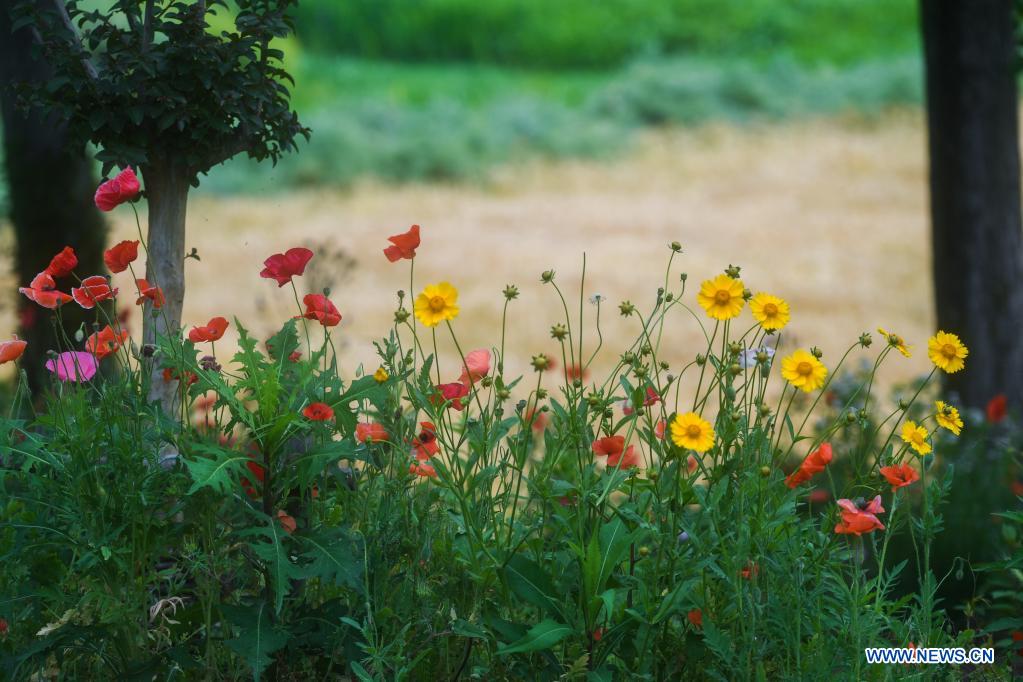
{"x": 659, "y": 429}
{"x": 403, "y": 245}
{"x": 105, "y": 342}
{"x": 422, "y": 469}
{"x": 11, "y": 350}
{"x": 859, "y": 519}
{"x": 814, "y": 464}
{"x": 750, "y": 571}
{"x": 287, "y": 521}
{"x": 95, "y": 289}
{"x": 212, "y": 331}
{"x": 318, "y": 307}
{"x": 613, "y": 447}
{"x": 370, "y": 431}
{"x": 150, "y": 291}
{"x": 900, "y": 475}
{"x": 63, "y": 263}
{"x": 425, "y": 445}
{"x": 119, "y": 256}
{"x": 696, "y": 618}
{"x": 318, "y": 412}
{"x": 43, "y": 290}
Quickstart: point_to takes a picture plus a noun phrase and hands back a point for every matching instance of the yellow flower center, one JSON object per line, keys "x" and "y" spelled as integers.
{"x": 722, "y": 297}
{"x": 948, "y": 350}
{"x": 804, "y": 368}
{"x": 770, "y": 309}
{"x": 693, "y": 431}
{"x": 437, "y": 304}
{"x": 895, "y": 340}
{"x": 917, "y": 438}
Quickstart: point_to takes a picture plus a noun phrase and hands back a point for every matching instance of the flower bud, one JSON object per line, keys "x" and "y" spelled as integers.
{"x": 628, "y": 358}
{"x": 669, "y": 297}
{"x": 676, "y": 247}
{"x": 644, "y": 551}
{"x": 765, "y": 471}
{"x": 765, "y": 410}
{"x": 732, "y": 271}
{"x": 850, "y": 417}
{"x": 541, "y": 394}
{"x": 903, "y": 404}
{"x": 683, "y": 277}
{"x": 559, "y": 332}
{"x": 747, "y": 294}
{"x": 816, "y": 352}
{"x": 540, "y": 362}
{"x": 734, "y": 347}
{"x": 503, "y": 394}
{"x": 511, "y": 292}
{"x": 400, "y": 315}
{"x": 401, "y": 294}
{"x": 683, "y": 538}
{"x": 577, "y": 383}
{"x": 866, "y": 340}
{"x": 547, "y": 276}
{"x": 734, "y": 369}
{"x": 626, "y": 308}
{"x": 487, "y": 382}
{"x": 701, "y": 359}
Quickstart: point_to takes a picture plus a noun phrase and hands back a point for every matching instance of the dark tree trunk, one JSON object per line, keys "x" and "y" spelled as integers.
{"x": 51, "y": 187}
{"x": 167, "y": 197}
{"x": 972, "y": 123}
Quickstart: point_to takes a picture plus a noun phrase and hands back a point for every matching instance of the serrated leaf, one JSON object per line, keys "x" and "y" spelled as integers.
{"x": 272, "y": 552}
{"x": 258, "y": 637}
{"x": 334, "y": 557}
{"x": 218, "y": 471}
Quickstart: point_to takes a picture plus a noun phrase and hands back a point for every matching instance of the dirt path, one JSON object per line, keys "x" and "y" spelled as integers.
{"x": 829, "y": 214}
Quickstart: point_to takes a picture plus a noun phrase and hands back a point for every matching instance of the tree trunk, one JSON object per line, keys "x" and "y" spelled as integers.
{"x": 972, "y": 123}
{"x": 51, "y": 185}
{"x": 166, "y": 187}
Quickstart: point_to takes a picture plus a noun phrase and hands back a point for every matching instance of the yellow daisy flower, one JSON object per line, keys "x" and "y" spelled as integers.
{"x": 721, "y": 297}
{"x": 947, "y": 352}
{"x": 916, "y": 436}
{"x": 896, "y": 342}
{"x": 691, "y": 432}
{"x": 381, "y": 375}
{"x": 948, "y": 417}
{"x": 770, "y": 311}
{"x": 437, "y": 303}
{"x": 804, "y": 371}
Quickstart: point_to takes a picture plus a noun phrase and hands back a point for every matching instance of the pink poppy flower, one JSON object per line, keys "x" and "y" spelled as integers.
{"x": 43, "y": 290}
{"x": 74, "y": 366}
{"x": 477, "y": 366}
{"x": 857, "y": 520}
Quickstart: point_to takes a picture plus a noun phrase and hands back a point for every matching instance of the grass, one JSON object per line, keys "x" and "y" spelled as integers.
{"x": 456, "y": 122}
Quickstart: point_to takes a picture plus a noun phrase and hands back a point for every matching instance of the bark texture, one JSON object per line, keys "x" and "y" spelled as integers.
{"x": 167, "y": 195}
{"x": 51, "y": 183}
{"x": 973, "y": 136}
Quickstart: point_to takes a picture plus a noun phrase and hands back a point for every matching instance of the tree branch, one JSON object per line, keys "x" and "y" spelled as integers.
{"x": 90, "y": 70}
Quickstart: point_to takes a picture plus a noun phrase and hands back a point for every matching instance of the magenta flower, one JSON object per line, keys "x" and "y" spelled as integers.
{"x": 74, "y": 366}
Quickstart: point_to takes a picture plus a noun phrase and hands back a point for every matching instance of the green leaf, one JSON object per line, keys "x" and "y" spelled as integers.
{"x": 272, "y": 552}
{"x": 218, "y": 471}
{"x": 258, "y": 637}
{"x": 615, "y": 539}
{"x": 335, "y": 557}
{"x": 528, "y": 581}
{"x": 541, "y": 636}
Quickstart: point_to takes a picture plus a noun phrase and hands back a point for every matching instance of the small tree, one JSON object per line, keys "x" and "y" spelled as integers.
{"x": 152, "y": 85}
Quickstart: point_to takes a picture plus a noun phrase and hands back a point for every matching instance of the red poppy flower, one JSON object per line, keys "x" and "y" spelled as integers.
{"x": 750, "y": 570}
{"x": 696, "y": 618}
{"x": 370, "y": 431}
{"x": 318, "y": 307}
{"x": 318, "y": 412}
{"x": 856, "y": 520}
{"x": 283, "y": 266}
{"x": 121, "y": 255}
{"x": 598, "y": 634}
{"x": 295, "y": 356}
{"x": 997, "y": 408}
{"x": 404, "y": 245}
{"x": 105, "y": 342}
{"x": 900, "y": 475}
{"x": 651, "y": 399}
{"x": 573, "y": 372}
{"x": 63, "y": 263}
{"x": 213, "y": 331}
{"x": 95, "y": 289}
{"x": 692, "y": 464}
{"x": 258, "y": 474}
{"x": 43, "y": 290}
{"x": 819, "y": 496}
{"x": 171, "y": 375}
{"x": 536, "y": 418}
{"x": 150, "y": 291}
{"x": 4, "y": 627}
{"x": 1017, "y": 488}
{"x": 112, "y": 193}
{"x": 659, "y": 429}
{"x": 814, "y": 464}
{"x": 453, "y": 392}
{"x": 11, "y": 350}
{"x": 425, "y": 445}
{"x": 422, "y": 469}
{"x": 287, "y": 521}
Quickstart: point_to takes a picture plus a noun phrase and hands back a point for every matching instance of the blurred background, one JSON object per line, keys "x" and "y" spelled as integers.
{"x": 786, "y": 138}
